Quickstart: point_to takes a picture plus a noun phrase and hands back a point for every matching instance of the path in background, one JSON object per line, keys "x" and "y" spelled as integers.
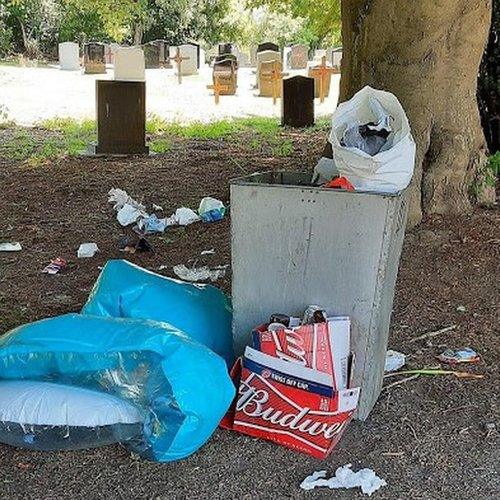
{"x": 33, "y": 94}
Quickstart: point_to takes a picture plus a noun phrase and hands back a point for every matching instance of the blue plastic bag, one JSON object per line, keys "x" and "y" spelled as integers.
{"x": 202, "y": 312}
{"x": 181, "y": 388}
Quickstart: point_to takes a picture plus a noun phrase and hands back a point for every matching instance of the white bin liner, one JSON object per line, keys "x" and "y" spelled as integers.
{"x": 391, "y": 169}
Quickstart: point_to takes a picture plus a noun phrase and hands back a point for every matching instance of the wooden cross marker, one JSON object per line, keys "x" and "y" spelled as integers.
{"x": 323, "y": 72}
{"x": 217, "y": 87}
{"x": 178, "y": 60}
{"x": 275, "y": 76}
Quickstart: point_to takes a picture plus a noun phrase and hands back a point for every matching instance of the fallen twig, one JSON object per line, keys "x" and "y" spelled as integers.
{"x": 432, "y": 371}
{"x": 399, "y": 382}
{"x": 434, "y": 334}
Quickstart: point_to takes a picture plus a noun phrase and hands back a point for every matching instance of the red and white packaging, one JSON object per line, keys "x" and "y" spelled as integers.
{"x": 290, "y": 405}
{"x": 293, "y": 389}
{"x": 321, "y": 346}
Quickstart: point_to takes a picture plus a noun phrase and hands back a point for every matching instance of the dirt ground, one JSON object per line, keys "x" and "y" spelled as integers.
{"x": 429, "y": 438}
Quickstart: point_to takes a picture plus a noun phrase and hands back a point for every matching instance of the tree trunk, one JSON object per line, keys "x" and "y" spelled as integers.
{"x": 138, "y": 33}
{"x": 427, "y": 53}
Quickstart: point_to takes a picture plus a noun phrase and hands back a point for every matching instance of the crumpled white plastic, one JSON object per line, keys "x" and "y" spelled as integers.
{"x": 183, "y": 216}
{"x": 195, "y": 274}
{"x": 129, "y": 210}
{"x": 345, "y": 477}
{"x": 87, "y": 250}
{"x": 394, "y": 360}
{"x": 10, "y": 247}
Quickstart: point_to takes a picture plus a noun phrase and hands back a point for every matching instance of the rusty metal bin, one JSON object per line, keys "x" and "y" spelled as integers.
{"x": 295, "y": 244}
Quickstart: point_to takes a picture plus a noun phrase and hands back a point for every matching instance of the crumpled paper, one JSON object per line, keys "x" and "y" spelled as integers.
{"x": 394, "y": 360}
{"x": 195, "y": 274}
{"x": 129, "y": 210}
{"x": 345, "y": 477}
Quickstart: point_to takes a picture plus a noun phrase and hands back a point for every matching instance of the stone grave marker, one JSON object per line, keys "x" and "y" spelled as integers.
{"x": 322, "y": 75}
{"x": 297, "y": 102}
{"x": 129, "y": 64}
{"x": 298, "y": 56}
{"x": 151, "y": 55}
{"x": 190, "y": 54}
{"x": 267, "y": 46}
{"x": 271, "y": 78}
{"x": 199, "y": 58}
{"x": 265, "y": 56}
{"x": 336, "y": 57}
{"x": 94, "y": 58}
{"x": 225, "y": 48}
{"x": 218, "y": 87}
{"x": 178, "y": 60}
{"x": 69, "y": 56}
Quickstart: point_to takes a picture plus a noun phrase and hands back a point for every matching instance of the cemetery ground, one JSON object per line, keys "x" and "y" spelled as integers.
{"x": 430, "y": 437}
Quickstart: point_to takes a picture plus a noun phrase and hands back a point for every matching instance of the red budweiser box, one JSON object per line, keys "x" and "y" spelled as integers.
{"x": 321, "y": 346}
{"x": 289, "y": 403}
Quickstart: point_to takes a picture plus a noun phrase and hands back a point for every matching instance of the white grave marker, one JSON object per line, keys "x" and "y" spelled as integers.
{"x": 129, "y": 64}
{"x": 69, "y": 56}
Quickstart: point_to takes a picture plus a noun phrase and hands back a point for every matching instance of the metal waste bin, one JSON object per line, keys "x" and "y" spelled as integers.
{"x": 295, "y": 244}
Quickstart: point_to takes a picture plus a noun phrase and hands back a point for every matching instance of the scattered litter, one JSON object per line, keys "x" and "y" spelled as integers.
{"x": 434, "y": 334}
{"x": 158, "y": 208}
{"x": 183, "y": 216}
{"x": 314, "y": 314}
{"x": 394, "y": 360}
{"x": 130, "y": 245}
{"x": 55, "y": 266}
{"x": 129, "y": 210}
{"x": 151, "y": 224}
{"x": 461, "y": 309}
{"x": 437, "y": 371}
{"x": 211, "y": 209}
{"x": 10, "y": 247}
{"x": 465, "y": 355}
{"x": 195, "y": 274}
{"x": 208, "y": 252}
{"x": 87, "y": 250}
{"x": 345, "y": 477}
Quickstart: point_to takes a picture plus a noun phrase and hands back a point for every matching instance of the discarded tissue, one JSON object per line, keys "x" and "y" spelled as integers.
{"x": 345, "y": 477}
{"x": 81, "y": 381}
{"x": 211, "y": 209}
{"x": 394, "y": 360}
{"x": 128, "y": 209}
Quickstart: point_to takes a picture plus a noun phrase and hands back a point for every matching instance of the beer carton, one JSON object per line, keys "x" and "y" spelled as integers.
{"x": 290, "y": 404}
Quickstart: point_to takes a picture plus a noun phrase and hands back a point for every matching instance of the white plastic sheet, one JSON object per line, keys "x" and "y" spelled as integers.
{"x": 391, "y": 169}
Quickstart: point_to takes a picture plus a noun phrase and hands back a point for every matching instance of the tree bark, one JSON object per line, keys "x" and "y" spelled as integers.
{"x": 427, "y": 53}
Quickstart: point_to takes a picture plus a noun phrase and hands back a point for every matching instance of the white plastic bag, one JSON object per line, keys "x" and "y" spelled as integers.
{"x": 391, "y": 169}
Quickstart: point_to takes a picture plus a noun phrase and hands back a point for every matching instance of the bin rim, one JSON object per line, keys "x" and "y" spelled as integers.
{"x": 245, "y": 181}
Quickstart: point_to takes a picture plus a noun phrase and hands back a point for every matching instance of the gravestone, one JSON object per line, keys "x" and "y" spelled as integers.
{"x": 318, "y": 54}
{"x": 129, "y": 64}
{"x": 225, "y": 72}
{"x": 297, "y": 103}
{"x": 264, "y": 57}
{"x": 287, "y": 51}
{"x": 121, "y": 117}
{"x": 336, "y": 57}
{"x": 94, "y": 58}
{"x": 69, "y": 56}
{"x": 225, "y": 57}
{"x": 322, "y": 74}
{"x": 267, "y": 46}
{"x": 225, "y": 48}
{"x": 164, "y": 53}
{"x": 189, "y": 65}
{"x": 271, "y": 78}
{"x": 298, "y": 56}
{"x": 151, "y": 55}
{"x": 198, "y": 53}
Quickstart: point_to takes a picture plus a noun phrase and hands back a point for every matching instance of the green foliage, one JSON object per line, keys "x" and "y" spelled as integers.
{"x": 5, "y": 33}
{"x": 493, "y": 169}
{"x": 322, "y": 17}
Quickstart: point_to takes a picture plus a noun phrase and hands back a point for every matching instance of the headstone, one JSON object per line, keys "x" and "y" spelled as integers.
{"x": 287, "y": 51}
{"x": 198, "y": 53}
{"x": 164, "y": 53}
{"x": 336, "y": 57}
{"x": 297, "y": 103}
{"x": 298, "y": 56}
{"x": 271, "y": 78}
{"x": 263, "y": 57}
{"x": 189, "y": 65}
{"x": 69, "y": 56}
{"x": 225, "y": 48}
{"x": 267, "y": 46}
{"x": 129, "y": 64}
{"x": 151, "y": 55}
{"x": 121, "y": 117}
{"x": 225, "y": 57}
{"x": 225, "y": 72}
{"x": 93, "y": 58}
{"x": 318, "y": 54}
{"x": 322, "y": 74}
